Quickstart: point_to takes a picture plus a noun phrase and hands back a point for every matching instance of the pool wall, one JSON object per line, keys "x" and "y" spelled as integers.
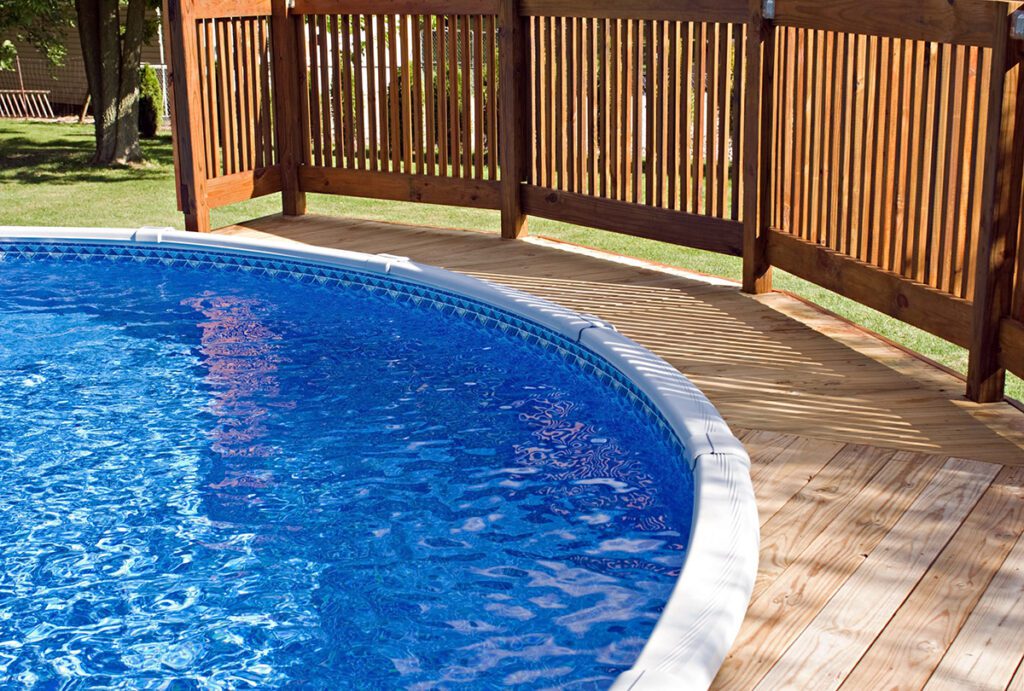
{"x": 707, "y": 606}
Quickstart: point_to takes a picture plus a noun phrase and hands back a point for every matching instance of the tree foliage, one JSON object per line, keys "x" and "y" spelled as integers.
{"x": 40, "y": 23}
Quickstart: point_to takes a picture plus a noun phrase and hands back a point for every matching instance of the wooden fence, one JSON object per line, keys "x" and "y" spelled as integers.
{"x": 870, "y": 146}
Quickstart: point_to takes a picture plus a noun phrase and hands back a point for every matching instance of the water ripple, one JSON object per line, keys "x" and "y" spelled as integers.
{"x": 220, "y": 481}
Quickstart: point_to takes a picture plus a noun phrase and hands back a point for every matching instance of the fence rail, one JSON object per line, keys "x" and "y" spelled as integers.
{"x": 875, "y": 147}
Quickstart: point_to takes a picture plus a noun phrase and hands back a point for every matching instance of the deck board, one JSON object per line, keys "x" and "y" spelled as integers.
{"x": 841, "y": 633}
{"x": 913, "y": 643}
{"x": 892, "y": 509}
{"x": 789, "y": 602}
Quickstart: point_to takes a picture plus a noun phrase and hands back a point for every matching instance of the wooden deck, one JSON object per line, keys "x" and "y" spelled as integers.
{"x": 892, "y": 510}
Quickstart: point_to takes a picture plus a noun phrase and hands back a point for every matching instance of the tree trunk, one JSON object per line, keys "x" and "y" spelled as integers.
{"x": 112, "y": 54}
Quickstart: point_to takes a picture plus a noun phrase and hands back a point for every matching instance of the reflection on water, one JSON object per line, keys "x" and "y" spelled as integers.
{"x": 312, "y": 487}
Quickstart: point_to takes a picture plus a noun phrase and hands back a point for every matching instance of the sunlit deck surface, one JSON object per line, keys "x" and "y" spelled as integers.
{"x": 892, "y": 510}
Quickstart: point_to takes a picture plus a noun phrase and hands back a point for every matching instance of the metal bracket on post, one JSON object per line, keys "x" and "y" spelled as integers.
{"x": 768, "y": 9}
{"x": 1016, "y": 25}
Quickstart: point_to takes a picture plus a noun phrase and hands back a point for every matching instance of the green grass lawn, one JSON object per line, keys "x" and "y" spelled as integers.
{"x": 45, "y": 179}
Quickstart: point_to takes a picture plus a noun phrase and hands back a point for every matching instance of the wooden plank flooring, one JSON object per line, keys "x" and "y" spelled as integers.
{"x": 891, "y": 509}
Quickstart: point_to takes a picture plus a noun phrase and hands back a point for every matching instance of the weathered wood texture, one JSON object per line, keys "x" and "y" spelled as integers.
{"x": 870, "y": 147}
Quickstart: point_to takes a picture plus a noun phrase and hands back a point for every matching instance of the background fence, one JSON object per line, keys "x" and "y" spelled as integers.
{"x": 870, "y": 146}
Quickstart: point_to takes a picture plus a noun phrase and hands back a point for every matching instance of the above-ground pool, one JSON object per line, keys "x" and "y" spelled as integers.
{"x": 231, "y": 464}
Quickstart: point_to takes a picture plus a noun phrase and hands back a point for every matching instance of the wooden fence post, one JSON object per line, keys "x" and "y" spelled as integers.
{"x": 186, "y": 115}
{"x": 760, "y": 81}
{"x": 1000, "y": 218}
{"x": 287, "y": 66}
{"x": 513, "y": 99}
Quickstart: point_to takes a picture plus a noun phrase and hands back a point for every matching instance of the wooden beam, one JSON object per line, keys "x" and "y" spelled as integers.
{"x": 967, "y": 22}
{"x": 426, "y": 189}
{"x": 1003, "y": 160}
{"x": 186, "y": 114}
{"x": 727, "y": 11}
{"x": 217, "y": 9}
{"x": 287, "y": 62}
{"x": 676, "y": 227}
{"x": 1011, "y": 346}
{"x": 396, "y": 7}
{"x": 757, "y": 182}
{"x": 934, "y": 311}
{"x": 513, "y": 97}
{"x": 238, "y": 187}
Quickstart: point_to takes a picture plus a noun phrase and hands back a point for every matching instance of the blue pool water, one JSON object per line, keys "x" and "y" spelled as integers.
{"x": 224, "y": 479}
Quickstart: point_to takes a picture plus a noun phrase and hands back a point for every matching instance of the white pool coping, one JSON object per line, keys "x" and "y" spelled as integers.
{"x": 703, "y": 615}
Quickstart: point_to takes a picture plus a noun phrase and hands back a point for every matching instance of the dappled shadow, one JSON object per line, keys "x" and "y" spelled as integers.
{"x": 762, "y": 369}
{"x": 24, "y": 160}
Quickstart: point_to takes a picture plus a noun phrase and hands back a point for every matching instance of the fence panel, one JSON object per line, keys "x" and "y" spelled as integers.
{"x": 646, "y": 112}
{"x": 871, "y": 146}
{"x": 878, "y": 151}
{"x": 634, "y": 117}
{"x": 401, "y": 105}
{"x": 223, "y": 105}
{"x": 238, "y": 115}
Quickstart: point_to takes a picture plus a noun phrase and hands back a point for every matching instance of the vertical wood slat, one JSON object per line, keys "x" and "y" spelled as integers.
{"x": 361, "y": 110}
{"x": 211, "y": 112}
{"x": 240, "y": 94}
{"x": 373, "y": 136}
{"x": 270, "y": 155}
{"x": 491, "y": 106}
{"x": 383, "y": 104}
{"x": 313, "y": 57}
{"x": 419, "y": 154}
{"x": 466, "y": 109}
{"x": 343, "y": 102}
{"x": 324, "y": 88}
{"x": 227, "y": 120}
{"x": 393, "y": 95}
{"x": 478, "y": 97}
{"x": 443, "y": 139}
{"x": 252, "y": 60}
{"x": 405, "y": 92}
{"x": 454, "y": 119}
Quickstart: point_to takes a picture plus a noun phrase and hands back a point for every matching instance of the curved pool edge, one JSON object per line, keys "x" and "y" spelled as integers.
{"x": 709, "y": 601}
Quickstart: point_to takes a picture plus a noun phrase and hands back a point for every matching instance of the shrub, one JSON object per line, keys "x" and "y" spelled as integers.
{"x": 150, "y": 102}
